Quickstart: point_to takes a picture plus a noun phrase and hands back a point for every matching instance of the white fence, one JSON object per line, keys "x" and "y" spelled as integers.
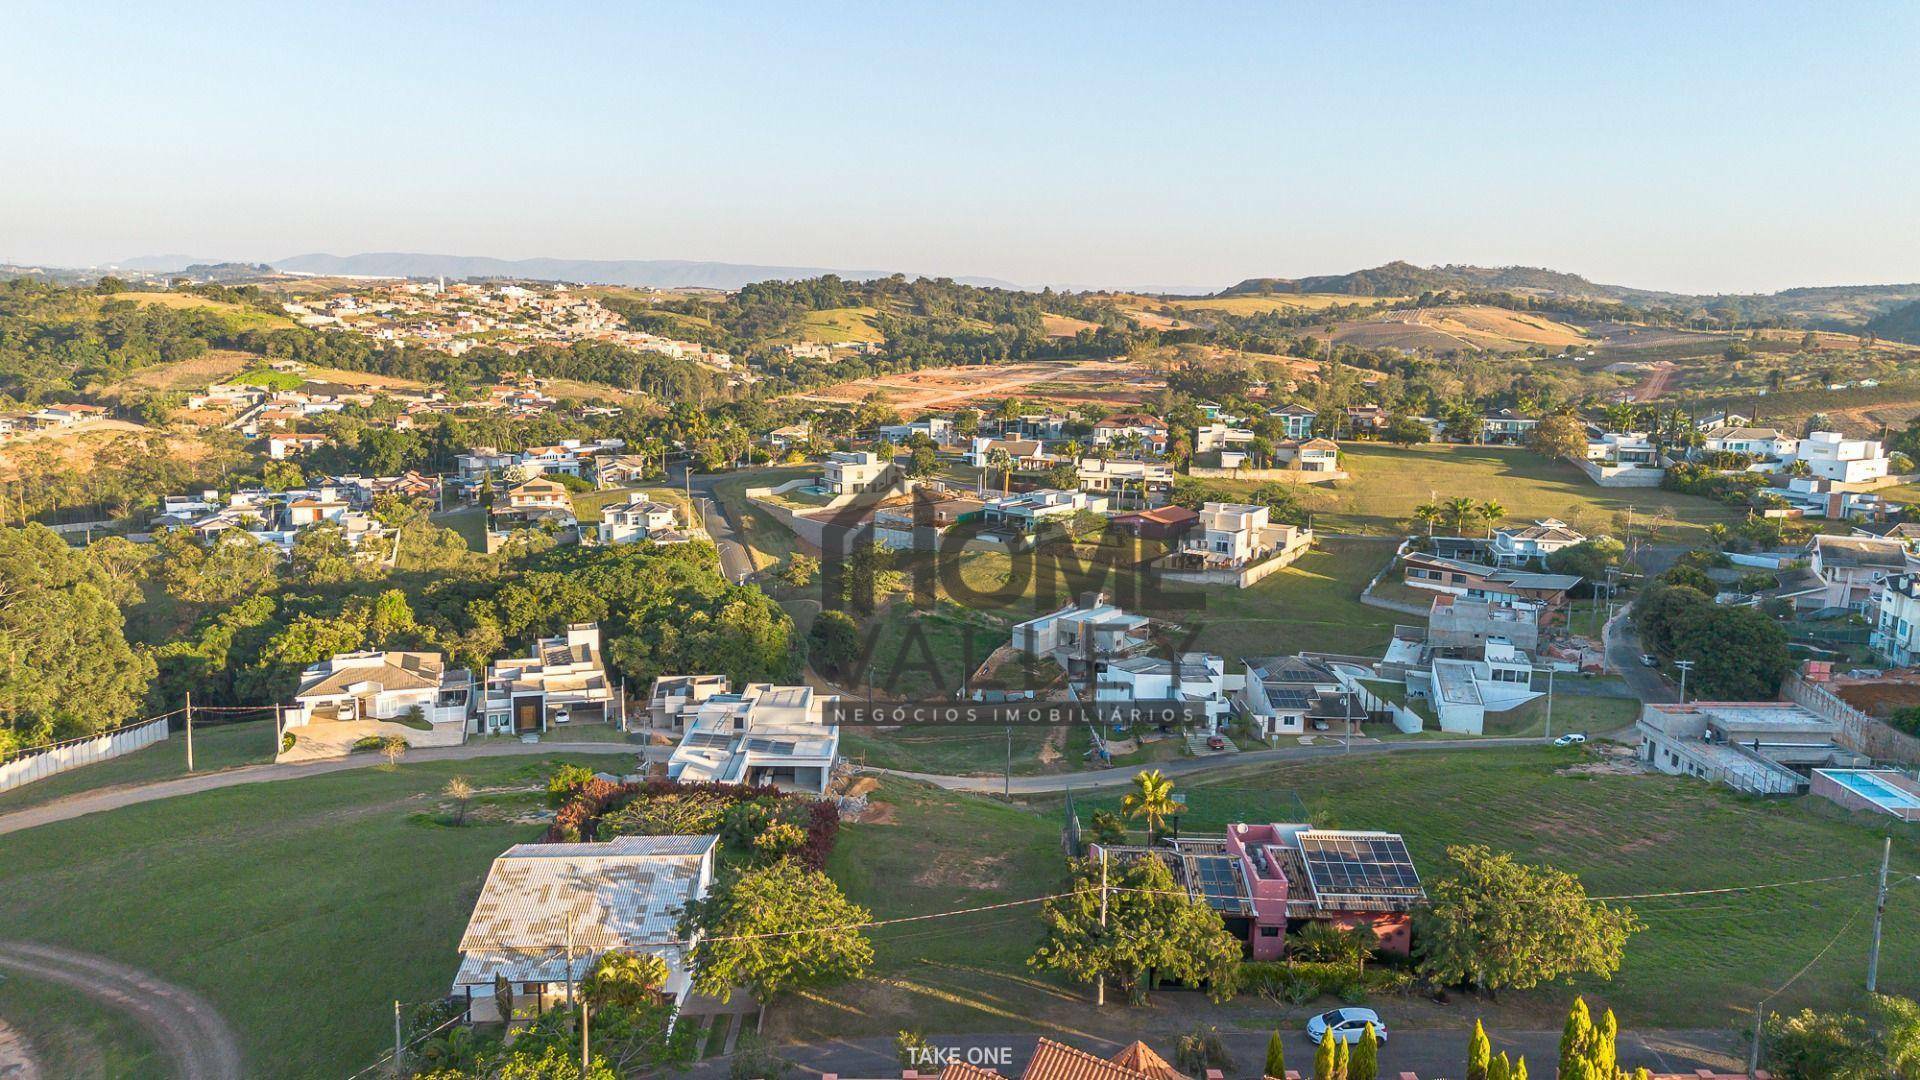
{"x": 42, "y": 762}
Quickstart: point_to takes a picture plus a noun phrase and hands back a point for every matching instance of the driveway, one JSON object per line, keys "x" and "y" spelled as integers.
{"x": 188, "y": 1031}
{"x": 1427, "y": 1052}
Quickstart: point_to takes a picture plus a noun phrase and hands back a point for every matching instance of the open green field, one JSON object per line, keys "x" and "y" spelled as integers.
{"x": 301, "y": 909}
{"x": 77, "y": 1036}
{"x": 1701, "y": 962}
{"x": 1389, "y": 481}
{"x": 215, "y": 747}
{"x": 838, "y": 326}
{"x": 239, "y": 316}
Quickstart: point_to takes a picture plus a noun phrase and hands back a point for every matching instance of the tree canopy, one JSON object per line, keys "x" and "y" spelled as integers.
{"x": 1496, "y": 923}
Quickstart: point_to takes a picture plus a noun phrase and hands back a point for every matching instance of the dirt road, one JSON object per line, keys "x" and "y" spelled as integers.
{"x": 187, "y": 1029}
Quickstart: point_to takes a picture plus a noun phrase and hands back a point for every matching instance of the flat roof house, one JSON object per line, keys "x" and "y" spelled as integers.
{"x": 1759, "y": 747}
{"x": 1197, "y": 678}
{"x": 1506, "y": 427}
{"x": 564, "y": 680}
{"x": 1131, "y": 485}
{"x": 1833, "y": 456}
{"x": 1026, "y": 512}
{"x": 851, "y": 472}
{"x": 1457, "y": 622}
{"x": 1150, "y": 430}
{"x": 544, "y": 903}
{"x": 1077, "y": 633}
{"x": 765, "y": 734}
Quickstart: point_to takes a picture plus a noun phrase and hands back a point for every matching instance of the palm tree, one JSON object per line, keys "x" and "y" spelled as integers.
{"x": 1428, "y": 514}
{"x": 1460, "y": 508}
{"x": 998, "y": 458}
{"x": 1151, "y": 800}
{"x": 460, "y": 790}
{"x": 1491, "y": 511}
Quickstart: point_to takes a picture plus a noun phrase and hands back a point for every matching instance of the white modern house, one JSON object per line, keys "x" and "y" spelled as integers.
{"x": 1097, "y": 630}
{"x": 381, "y": 686}
{"x": 1764, "y": 443}
{"x": 1896, "y": 636}
{"x": 548, "y": 912}
{"x": 851, "y": 472}
{"x": 563, "y": 681}
{"x": 1023, "y": 454}
{"x": 1530, "y": 545}
{"x": 765, "y": 734}
{"x": 1131, "y": 485}
{"x": 1833, "y": 456}
{"x": 1231, "y": 535}
{"x": 1287, "y": 695}
{"x": 639, "y": 518}
{"x": 1026, "y": 512}
{"x": 1464, "y": 690}
{"x": 1197, "y": 678}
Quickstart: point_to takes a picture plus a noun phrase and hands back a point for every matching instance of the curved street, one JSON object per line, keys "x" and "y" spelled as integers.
{"x": 188, "y": 1030}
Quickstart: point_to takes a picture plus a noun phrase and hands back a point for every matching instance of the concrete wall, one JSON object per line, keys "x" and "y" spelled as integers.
{"x": 1858, "y": 731}
{"x": 39, "y": 764}
{"x": 1630, "y": 477}
{"x": 1291, "y": 476}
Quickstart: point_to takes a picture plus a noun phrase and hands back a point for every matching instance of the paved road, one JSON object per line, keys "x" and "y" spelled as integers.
{"x": 735, "y": 561}
{"x": 1430, "y": 1053}
{"x": 188, "y": 1030}
{"x": 93, "y": 802}
{"x": 1622, "y": 644}
{"x": 1039, "y": 785}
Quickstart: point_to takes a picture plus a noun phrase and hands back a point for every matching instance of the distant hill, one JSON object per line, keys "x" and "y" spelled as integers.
{"x": 1900, "y": 324}
{"x": 649, "y": 273}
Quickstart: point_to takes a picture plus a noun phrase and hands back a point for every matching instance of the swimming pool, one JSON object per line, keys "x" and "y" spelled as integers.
{"x": 1868, "y": 785}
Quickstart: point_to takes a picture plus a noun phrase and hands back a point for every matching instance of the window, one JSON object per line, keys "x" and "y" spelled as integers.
{"x": 1269, "y": 931}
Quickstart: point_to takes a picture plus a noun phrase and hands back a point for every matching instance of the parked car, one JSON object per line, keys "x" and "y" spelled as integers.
{"x": 1647, "y": 660}
{"x": 1571, "y": 738}
{"x": 1216, "y": 742}
{"x": 561, "y": 715}
{"x": 1348, "y": 1024}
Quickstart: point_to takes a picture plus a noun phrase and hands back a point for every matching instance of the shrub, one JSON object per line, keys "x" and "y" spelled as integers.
{"x": 1201, "y": 1049}
{"x": 564, "y": 781}
{"x": 668, "y": 814}
{"x": 368, "y": 742}
{"x": 286, "y": 742}
{"x": 780, "y": 838}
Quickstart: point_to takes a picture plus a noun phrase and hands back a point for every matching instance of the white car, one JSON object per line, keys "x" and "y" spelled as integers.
{"x": 1349, "y": 1025}
{"x": 1571, "y": 738}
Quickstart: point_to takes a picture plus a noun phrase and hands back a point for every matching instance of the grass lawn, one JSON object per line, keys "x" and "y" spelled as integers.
{"x": 837, "y": 326}
{"x": 470, "y": 522}
{"x": 215, "y": 747}
{"x": 1591, "y": 714}
{"x": 1389, "y": 481}
{"x": 256, "y": 895}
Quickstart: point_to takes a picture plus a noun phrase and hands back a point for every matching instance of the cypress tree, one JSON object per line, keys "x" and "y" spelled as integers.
{"x": 1365, "y": 1064}
{"x": 1479, "y": 1052}
{"x": 1603, "y": 1052}
{"x": 1323, "y": 1057}
{"x": 1574, "y": 1039}
{"x": 1498, "y": 1069}
{"x": 1519, "y": 1069}
{"x": 1276, "y": 1058}
{"x": 1340, "y": 1060}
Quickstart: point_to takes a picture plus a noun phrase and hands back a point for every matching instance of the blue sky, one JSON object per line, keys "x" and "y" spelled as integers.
{"x": 1697, "y": 147}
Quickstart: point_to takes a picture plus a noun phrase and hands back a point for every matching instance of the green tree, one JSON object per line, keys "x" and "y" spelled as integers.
{"x": 1151, "y": 800}
{"x": 65, "y": 666}
{"x": 1323, "y": 1058}
{"x": 1276, "y": 1064}
{"x": 1496, "y": 923}
{"x": 1559, "y": 436}
{"x": 1590, "y": 558}
{"x": 1365, "y": 1064}
{"x": 1428, "y": 514}
{"x": 799, "y": 570}
{"x": 1407, "y": 431}
{"x": 774, "y": 929}
{"x": 1490, "y": 511}
{"x": 1153, "y": 931}
{"x": 1813, "y": 1045}
{"x": 833, "y": 643}
{"x": 1342, "y": 1059}
{"x": 1479, "y": 1051}
{"x": 923, "y": 462}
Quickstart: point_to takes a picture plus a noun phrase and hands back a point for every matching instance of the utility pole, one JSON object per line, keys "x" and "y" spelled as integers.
{"x": 1100, "y": 993}
{"x": 399, "y": 1047}
{"x": 1549, "y": 701}
{"x": 1006, "y": 790}
{"x": 569, "y": 961}
{"x": 1684, "y": 666}
{"x": 189, "y": 712}
{"x": 583, "y": 1035}
{"x": 1879, "y": 910}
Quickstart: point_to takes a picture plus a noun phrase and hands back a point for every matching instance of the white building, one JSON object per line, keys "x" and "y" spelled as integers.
{"x": 1075, "y": 633}
{"x": 1197, "y": 678}
{"x": 1624, "y": 448}
{"x": 1896, "y": 636}
{"x": 1835, "y": 457}
{"x": 1463, "y": 691}
{"x": 1765, "y": 443}
{"x": 1130, "y": 485}
{"x": 1751, "y": 746}
{"x": 1286, "y": 695}
{"x": 1026, "y": 512}
{"x": 639, "y": 518}
{"x": 1532, "y": 544}
{"x": 548, "y": 912}
{"x": 382, "y": 686}
{"x": 565, "y": 680}
{"x": 1853, "y": 567}
{"x": 850, "y": 472}
{"x": 1231, "y": 535}
{"x": 765, "y": 734}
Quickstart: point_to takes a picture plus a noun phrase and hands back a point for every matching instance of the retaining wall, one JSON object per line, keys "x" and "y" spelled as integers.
{"x": 51, "y": 760}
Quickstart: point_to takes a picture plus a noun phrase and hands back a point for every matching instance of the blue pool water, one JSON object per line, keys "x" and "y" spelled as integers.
{"x": 1872, "y": 787}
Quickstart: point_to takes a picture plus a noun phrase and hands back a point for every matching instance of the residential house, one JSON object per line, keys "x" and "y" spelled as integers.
{"x": 548, "y": 912}
{"x": 1896, "y": 634}
{"x": 781, "y": 736}
{"x": 1026, "y": 455}
{"x": 625, "y": 470}
{"x": 640, "y": 518}
{"x": 1150, "y": 431}
{"x": 1043, "y": 426}
{"x": 1366, "y": 421}
{"x": 1160, "y": 523}
{"x": 1758, "y": 747}
{"x": 1463, "y": 689}
{"x": 1530, "y": 545}
{"x": 852, "y": 472}
{"x": 916, "y": 524}
{"x": 482, "y": 460}
{"x": 1287, "y": 695}
{"x": 786, "y": 438}
{"x": 1233, "y": 535}
{"x": 1763, "y": 443}
{"x": 1129, "y": 485}
{"x": 938, "y": 429}
{"x": 382, "y": 686}
{"x": 1506, "y": 427}
{"x": 1199, "y": 679}
{"x": 1023, "y": 514}
{"x": 1308, "y": 455}
{"x": 285, "y": 444}
{"x": 676, "y": 698}
{"x": 1455, "y": 622}
{"x": 1217, "y": 438}
{"x": 536, "y": 500}
{"x": 1853, "y": 567}
{"x": 1477, "y": 582}
{"x": 67, "y": 414}
{"x": 562, "y": 681}
{"x": 1080, "y": 633}
{"x": 1833, "y": 456}
{"x": 1297, "y": 420}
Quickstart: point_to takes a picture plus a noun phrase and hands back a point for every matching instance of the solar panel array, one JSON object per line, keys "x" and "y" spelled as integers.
{"x": 1217, "y": 877}
{"x": 1363, "y": 865}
